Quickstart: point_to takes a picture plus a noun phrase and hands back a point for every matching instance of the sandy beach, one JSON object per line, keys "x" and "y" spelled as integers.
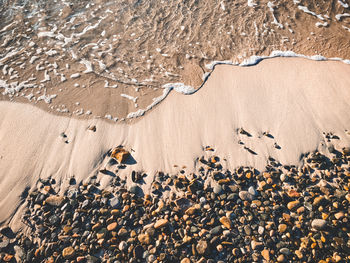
{"x": 296, "y": 108}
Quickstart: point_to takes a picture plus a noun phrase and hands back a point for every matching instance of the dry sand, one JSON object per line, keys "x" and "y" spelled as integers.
{"x": 293, "y": 99}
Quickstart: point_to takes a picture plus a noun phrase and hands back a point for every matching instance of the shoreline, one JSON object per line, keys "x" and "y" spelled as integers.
{"x": 289, "y": 106}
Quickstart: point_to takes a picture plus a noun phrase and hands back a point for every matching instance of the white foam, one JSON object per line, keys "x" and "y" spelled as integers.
{"x": 251, "y": 3}
{"x": 319, "y": 24}
{"x": 212, "y": 64}
{"x": 347, "y": 29}
{"x": 271, "y": 6}
{"x": 112, "y": 87}
{"x": 51, "y": 52}
{"x": 88, "y": 66}
{"x": 134, "y": 99}
{"x": 340, "y": 16}
{"x": 345, "y": 5}
{"x": 306, "y": 10}
{"x": 180, "y": 87}
{"x": 46, "y": 77}
{"x": 32, "y": 59}
{"x": 136, "y": 114}
{"x": 47, "y": 98}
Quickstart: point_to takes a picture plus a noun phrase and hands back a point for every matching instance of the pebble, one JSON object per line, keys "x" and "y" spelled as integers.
{"x": 161, "y": 223}
{"x": 54, "y": 200}
{"x": 123, "y": 246}
{"x": 245, "y": 196}
{"x": 319, "y": 224}
{"x": 226, "y": 222}
{"x": 68, "y": 252}
{"x": 202, "y": 247}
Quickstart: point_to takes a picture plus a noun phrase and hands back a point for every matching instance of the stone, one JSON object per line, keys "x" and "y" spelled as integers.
{"x": 299, "y": 254}
{"x": 54, "y": 200}
{"x": 202, "y": 247}
{"x": 245, "y": 196}
{"x": 68, "y": 252}
{"x": 136, "y": 190}
{"x": 67, "y": 229}
{"x": 318, "y": 200}
{"x": 293, "y": 205}
{"x": 120, "y": 154}
{"x": 282, "y": 228}
{"x": 123, "y": 246}
{"x": 217, "y": 189}
{"x": 216, "y": 230}
{"x": 256, "y": 245}
{"x": 252, "y": 191}
{"x": 161, "y": 223}
{"x": 185, "y": 260}
{"x": 96, "y": 226}
{"x": 285, "y": 251}
{"x": 226, "y": 222}
{"x": 281, "y": 258}
{"x": 265, "y": 254}
{"x": 319, "y": 224}
{"x": 112, "y": 226}
{"x": 247, "y": 230}
{"x": 144, "y": 239}
{"x": 339, "y": 215}
{"x": 261, "y": 230}
{"x": 8, "y": 258}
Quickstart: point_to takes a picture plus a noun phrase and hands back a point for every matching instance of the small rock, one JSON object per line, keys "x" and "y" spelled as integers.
{"x": 280, "y": 258}
{"x": 202, "y": 247}
{"x": 282, "y": 228}
{"x": 293, "y": 205}
{"x": 123, "y": 246}
{"x": 68, "y": 252}
{"x": 144, "y": 239}
{"x": 112, "y": 226}
{"x": 265, "y": 254}
{"x": 319, "y": 224}
{"x": 185, "y": 260}
{"x": 161, "y": 223}
{"x": 54, "y": 200}
{"x": 226, "y": 222}
{"x": 120, "y": 154}
{"x": 245, "y": 196}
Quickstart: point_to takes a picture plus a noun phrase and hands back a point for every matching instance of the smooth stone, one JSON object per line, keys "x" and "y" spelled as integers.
{"x": 122, "y": 246}
{"x": 54, "y": 200}
{"x": 285, "y": 251}
{"x": 216, "y": 230}
{"x": 161, "y": 223}
{"x": 144, "y": 239}
{"x": 217, "y": 189}
{"x": 252, "y": 191}
{"x": 68, "y": 252}
{"x": 319, "y": 224}
{"x": 245, "y": 196}
{"x": 114, "y": 202}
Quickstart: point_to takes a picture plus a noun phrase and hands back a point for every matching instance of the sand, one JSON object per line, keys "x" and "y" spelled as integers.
{"x": 295, "y": 100}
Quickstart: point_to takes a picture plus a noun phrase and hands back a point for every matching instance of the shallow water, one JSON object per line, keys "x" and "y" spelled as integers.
{"x": 112, "y": 58}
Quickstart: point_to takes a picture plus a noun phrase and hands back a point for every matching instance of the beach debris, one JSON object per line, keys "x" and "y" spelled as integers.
{"x": 120, "y": 154}
{"x": 92, "y": 128}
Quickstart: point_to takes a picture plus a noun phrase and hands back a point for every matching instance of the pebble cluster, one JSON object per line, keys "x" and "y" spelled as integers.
{"x": 282, "y": 214}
